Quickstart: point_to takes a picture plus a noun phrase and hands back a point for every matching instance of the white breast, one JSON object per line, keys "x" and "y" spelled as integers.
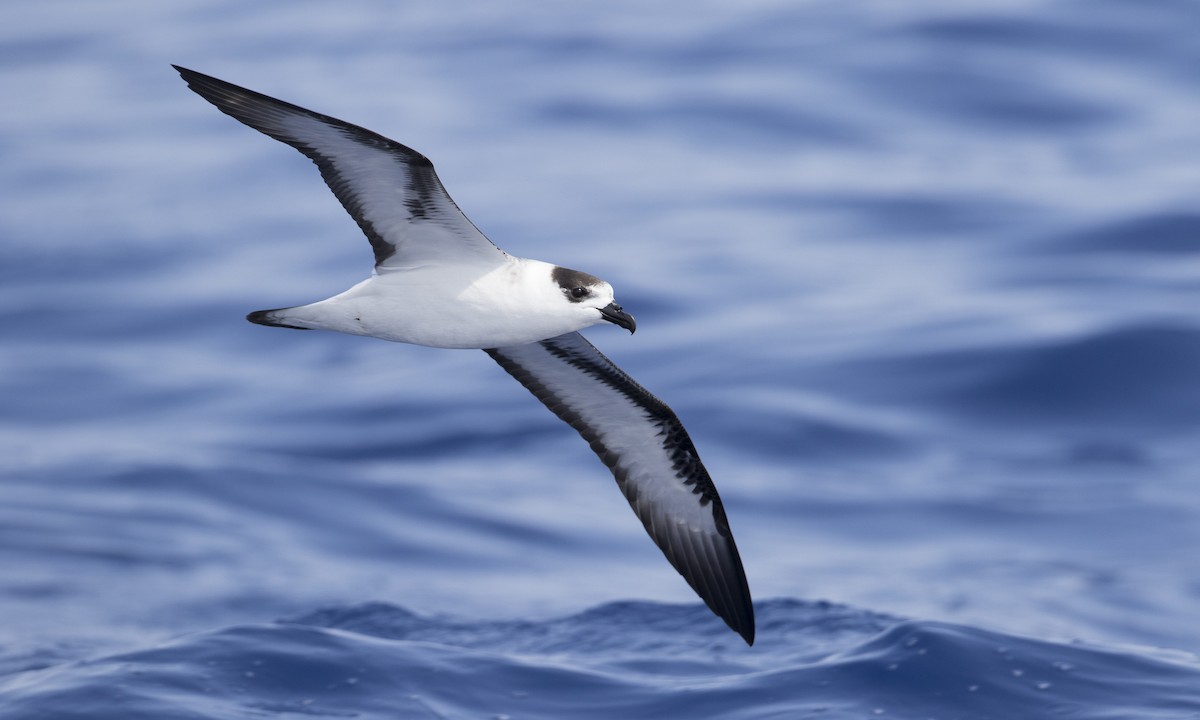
{"x": 509, "y": 303}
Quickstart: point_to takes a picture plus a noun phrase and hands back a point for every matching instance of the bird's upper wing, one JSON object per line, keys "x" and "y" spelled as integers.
{"x": 390, "y": 190}
{"x": 642, "y": 441}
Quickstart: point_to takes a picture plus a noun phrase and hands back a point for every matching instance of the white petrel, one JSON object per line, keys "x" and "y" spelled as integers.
{"x": 439, "y": 282}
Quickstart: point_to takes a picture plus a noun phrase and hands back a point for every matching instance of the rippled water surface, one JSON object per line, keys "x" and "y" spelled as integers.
{"x": 921, "y": 281}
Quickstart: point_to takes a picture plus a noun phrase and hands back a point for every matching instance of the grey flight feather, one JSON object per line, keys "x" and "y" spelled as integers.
{"x": 652, "y": 458}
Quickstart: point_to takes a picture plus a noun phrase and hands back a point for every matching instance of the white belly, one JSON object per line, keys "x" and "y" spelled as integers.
{"x": 427, "y": 308}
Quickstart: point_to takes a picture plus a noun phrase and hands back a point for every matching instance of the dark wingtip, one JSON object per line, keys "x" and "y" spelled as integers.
{"x": 740, "y": 617}
{"x": 263, "y": 317}
{"x": 747, "y": 633}
{"x": 185, "y": 73}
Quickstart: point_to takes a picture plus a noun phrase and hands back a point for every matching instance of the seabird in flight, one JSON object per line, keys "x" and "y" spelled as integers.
{"x": 439, "y": 282}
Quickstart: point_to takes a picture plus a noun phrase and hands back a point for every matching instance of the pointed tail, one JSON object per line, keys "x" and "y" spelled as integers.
{"x": 272, "y": 318}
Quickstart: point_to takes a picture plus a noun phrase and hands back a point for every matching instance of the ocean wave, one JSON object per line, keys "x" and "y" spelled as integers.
{"x": 627, "y": 659}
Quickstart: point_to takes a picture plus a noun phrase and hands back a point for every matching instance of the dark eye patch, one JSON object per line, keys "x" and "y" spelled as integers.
{"x": 575, "y": 285}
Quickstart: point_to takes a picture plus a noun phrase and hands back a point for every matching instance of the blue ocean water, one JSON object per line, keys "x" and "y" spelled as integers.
{"x": 920, "y": 280}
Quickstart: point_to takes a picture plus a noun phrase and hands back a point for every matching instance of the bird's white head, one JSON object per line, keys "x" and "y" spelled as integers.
{"x": 591, "y": 297}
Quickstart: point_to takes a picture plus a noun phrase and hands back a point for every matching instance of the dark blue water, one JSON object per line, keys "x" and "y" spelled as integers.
{"x": 921, "y": 281}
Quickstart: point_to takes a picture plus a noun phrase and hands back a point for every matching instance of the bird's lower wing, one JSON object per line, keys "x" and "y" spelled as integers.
{"x": 648, "y": 451}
